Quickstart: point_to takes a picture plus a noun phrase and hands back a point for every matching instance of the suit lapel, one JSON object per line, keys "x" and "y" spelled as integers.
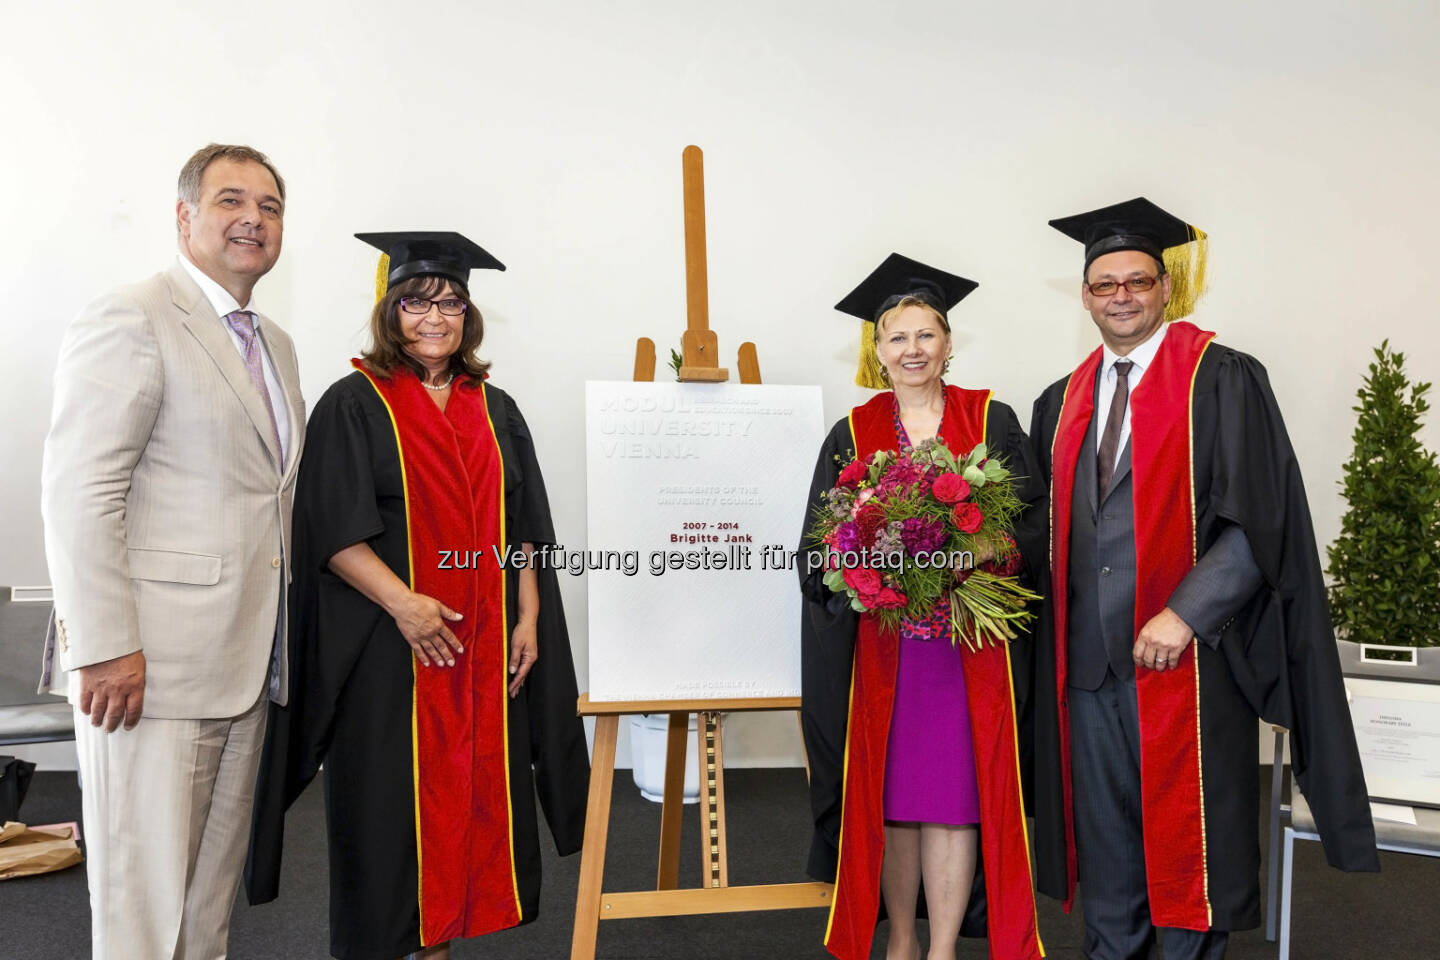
{"x": 209, "y": 329}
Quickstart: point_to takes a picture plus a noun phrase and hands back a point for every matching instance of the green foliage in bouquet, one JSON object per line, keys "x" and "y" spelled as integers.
{"x": 1385, "y": 565}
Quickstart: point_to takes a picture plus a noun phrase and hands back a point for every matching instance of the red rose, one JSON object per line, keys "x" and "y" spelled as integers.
{"x": 871, "y": 520}
{"x": 951, "y": 488}
{"x": 889, "y": 599}
{"x": 968, "y": 517}
{"x": 853, "y": 473}
{"x": 863, "y": 581}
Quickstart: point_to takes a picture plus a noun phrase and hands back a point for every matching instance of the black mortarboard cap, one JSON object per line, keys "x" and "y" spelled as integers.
{"x": 1140, "y": 225}
{"x": 899, "y": 277}
{"x": 444, "y": 253}
{"x": 895, "y": 279}
{"x": 1133, "y": 225}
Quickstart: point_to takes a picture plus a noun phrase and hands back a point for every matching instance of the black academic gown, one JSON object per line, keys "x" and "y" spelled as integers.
{"x": 351, "y": 684}
{"x": 1279, "y": 654}
{"x": 827, "y": 644}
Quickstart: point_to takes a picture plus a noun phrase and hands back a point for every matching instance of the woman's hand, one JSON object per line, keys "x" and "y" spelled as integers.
{"x": 421, "y": 620}
{"x": 524, "y": 651}
{"x": 524, "y": 647}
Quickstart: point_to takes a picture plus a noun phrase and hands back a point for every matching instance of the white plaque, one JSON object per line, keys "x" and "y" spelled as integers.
{"x": 696, "y": 498}
{"x": 1397, "y": 727}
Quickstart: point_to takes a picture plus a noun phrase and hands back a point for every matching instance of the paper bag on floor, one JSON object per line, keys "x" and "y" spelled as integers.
{"x": 25, "y": 851}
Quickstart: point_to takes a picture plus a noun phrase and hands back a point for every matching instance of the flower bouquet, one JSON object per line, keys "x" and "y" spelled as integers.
{"x": 902, "y": 530}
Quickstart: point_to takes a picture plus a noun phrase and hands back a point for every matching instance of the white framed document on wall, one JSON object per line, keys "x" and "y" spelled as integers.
{"x": 1397, "y": 728}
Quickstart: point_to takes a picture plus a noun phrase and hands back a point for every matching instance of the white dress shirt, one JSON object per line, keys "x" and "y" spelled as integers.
{"x": 1142, "y": 356}
{"x": 224, "y": 304}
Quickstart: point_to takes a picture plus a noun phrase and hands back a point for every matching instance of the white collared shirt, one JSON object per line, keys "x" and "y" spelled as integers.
{"x": 223, "y": 303}
{"x": 1142, "y": 356}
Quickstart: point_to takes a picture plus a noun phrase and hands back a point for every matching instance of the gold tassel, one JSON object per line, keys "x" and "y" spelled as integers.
{"x": 382, "y": 275}
{"x": 871, "y": 374}
{"x": 1186, "y": 265}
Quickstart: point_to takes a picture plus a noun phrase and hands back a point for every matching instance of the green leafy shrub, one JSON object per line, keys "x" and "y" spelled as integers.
{"x": 1385, "y": 565}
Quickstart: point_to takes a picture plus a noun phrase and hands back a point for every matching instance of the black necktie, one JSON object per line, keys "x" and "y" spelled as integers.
{"x": 1110, "y": 442}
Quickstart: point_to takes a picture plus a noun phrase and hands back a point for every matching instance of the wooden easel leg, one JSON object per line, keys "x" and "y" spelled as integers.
{"x": 714, "y": 859}
{"x": 673, "y": 805}
{"x": 597, "y": 828}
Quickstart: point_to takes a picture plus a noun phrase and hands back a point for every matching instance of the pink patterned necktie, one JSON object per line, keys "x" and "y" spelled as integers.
{"x": 243, "y": 323}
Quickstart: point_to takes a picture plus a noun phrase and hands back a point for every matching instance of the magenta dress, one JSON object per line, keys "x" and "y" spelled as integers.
{"x": 929, "y": 757}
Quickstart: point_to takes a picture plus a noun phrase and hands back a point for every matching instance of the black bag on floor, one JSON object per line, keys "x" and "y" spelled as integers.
{"x": 14, "y": 781}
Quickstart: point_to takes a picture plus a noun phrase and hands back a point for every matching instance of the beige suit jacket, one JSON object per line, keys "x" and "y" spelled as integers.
{"x": 165, "y": 501}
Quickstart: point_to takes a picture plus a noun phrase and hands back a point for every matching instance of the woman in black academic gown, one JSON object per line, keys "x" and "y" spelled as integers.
{"x": 429, "y": 665}
{"x": 913, "y": 739}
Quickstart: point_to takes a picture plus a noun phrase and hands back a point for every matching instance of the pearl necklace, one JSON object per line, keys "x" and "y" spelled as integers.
{"x": 442, "y": 386}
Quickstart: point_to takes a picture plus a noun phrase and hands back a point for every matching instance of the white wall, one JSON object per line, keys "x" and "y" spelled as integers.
{"x": 1302, "y": 136}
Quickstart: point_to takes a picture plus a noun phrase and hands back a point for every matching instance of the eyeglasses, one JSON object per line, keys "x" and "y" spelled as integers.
{"x": 1108, "y": 288}
{"x": 419, "y": 306}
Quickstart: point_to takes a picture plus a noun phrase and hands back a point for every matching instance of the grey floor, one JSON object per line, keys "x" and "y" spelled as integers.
{"x": 1395, "y": 914}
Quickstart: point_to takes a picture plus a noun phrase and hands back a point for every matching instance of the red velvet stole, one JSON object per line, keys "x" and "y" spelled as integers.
{"x": 1162, "y": 477}
{"x": 454, "y": 500}
{"x": 1009, "y": 887}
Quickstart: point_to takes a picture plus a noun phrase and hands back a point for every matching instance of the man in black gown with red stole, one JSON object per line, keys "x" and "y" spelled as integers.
{"x": 1184, "y": 599}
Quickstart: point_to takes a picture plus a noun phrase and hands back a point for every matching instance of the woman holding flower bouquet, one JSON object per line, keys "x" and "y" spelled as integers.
{"x": 912, "y": 570}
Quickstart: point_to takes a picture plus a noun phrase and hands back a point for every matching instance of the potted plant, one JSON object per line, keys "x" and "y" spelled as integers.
{"x": 1385, "y": 565}
{"x": 649, "y": 736}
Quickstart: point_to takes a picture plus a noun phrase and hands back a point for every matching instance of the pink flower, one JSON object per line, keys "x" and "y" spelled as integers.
{"x": 951, "y": 488}
{"x": 968, "y": 517}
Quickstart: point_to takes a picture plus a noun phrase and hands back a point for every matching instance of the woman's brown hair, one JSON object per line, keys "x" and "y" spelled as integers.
{"x": 386, "y": 352}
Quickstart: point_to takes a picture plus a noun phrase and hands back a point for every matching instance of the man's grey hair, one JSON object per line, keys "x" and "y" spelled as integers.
{"x": 191, "y": 174}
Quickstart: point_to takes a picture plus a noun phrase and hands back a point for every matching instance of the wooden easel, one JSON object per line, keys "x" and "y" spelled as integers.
{"x": 700, "y": 362}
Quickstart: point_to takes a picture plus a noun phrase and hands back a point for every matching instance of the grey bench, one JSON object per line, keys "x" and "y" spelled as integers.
{"x": 1422, "y": 839}
{"x": 27, "y": 716}
{"x": 36, "y": 723}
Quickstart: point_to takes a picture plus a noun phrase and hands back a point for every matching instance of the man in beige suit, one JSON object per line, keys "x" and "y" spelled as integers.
{"x": 167, "y": 483}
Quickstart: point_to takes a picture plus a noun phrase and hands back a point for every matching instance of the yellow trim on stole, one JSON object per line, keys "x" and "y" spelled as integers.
{"x": 1015, "y": 733}
{"x": 845, "y": 763}
{"x": 1050, "y": 487}
{"x": 1066, "y": 812}
{"x": 504, "y": 676}
{"x": 1199, "y": 738}
{"x": 414, "y": 676}
{"x": 1020, "y": 795}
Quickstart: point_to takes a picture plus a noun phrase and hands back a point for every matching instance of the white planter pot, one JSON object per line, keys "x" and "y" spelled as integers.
{"x": 1423, "y": 664}
{"x": 648, "y": 735}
